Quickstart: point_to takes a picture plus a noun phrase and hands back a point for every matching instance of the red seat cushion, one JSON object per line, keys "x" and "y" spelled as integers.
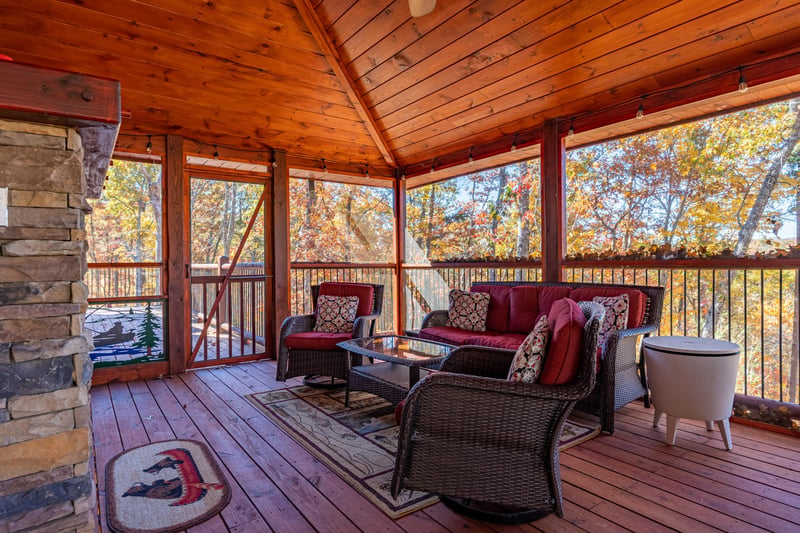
{"x": 364, "y": 292}
{"x": 562, "y": 363}
{"x": 499, "y": 299}
{"x": 315, "y": 340}
{"x": 636, "y": 301}
{"x": 446, "y": 334}
{"x": 507, "y": 341}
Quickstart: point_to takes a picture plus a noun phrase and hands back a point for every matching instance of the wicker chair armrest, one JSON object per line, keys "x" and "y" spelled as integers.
{"x": 290, "y": 325}
{"x": 297, "y": 324}
{"x": 641, "y": 330}
{"x": 363, "y": 324}
{"x": 479, "y": 361}
{"x": 435, "y": 319}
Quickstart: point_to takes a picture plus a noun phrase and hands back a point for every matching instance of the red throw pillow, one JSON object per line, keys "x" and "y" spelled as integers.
{"x": 468, "y": 310}
{"x": 566, "y": 343}
{"x": 527, "y": 363}
{"x": 335, "y": 314}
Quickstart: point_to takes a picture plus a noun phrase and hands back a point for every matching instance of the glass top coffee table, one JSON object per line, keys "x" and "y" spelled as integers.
{"x": 400, "y": 370}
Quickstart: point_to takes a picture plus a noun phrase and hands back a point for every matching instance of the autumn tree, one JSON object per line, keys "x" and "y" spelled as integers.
{"x": 125, "y": 225}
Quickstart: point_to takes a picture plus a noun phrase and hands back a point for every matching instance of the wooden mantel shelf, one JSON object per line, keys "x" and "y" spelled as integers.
{"x": 87, "y": 103}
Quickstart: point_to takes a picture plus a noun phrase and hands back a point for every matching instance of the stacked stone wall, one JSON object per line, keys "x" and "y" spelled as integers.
{"x": 46, "y": 466}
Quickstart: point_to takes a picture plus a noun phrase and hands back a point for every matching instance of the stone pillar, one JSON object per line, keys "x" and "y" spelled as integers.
{"x": 46, "y": 464}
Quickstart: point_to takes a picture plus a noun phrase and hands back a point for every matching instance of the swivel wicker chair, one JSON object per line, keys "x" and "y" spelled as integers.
{"x": 482, "y": 442}
{"x": 304, "y": 352}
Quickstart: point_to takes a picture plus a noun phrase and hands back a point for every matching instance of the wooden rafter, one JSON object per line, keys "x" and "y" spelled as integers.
{"x": 332, "y": 55}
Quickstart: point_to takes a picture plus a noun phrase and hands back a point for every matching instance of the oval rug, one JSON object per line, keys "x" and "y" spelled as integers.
{"x": 164, "y": 486}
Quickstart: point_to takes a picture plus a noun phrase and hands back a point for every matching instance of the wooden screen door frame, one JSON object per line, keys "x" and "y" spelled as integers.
{"x": 222, "y": 282}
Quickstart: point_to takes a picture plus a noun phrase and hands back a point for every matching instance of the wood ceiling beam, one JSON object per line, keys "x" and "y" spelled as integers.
{"x": 332, "y": 55}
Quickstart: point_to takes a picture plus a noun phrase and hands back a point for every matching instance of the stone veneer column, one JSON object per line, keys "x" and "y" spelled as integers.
{"x": 46, "y": 464}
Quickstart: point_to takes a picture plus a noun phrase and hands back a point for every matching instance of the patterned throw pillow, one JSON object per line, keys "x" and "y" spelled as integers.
{"x": 615, "y": 319}
{"x": 468, "y": 310}
{"x": 529, "y": 359}
{"x": 335, "y": 314}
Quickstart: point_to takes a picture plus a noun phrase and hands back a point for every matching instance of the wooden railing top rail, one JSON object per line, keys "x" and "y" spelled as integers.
{"x": 124, "y": 265}
{"x": 732, "y": 263}
{"x": 305, "y": 264}
{"x": 723, "y": 263}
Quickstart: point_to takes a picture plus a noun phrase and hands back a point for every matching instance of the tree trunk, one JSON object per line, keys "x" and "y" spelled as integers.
{"x": 523, "y": 231}
{"x": 502, "y": 181}
{"x": 137, "y": 257}
{"x": 794, "y": 362}
{"x": 431, "y": 211}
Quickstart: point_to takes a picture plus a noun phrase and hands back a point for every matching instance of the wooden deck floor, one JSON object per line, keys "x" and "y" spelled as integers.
{"x": 628, "y": 481}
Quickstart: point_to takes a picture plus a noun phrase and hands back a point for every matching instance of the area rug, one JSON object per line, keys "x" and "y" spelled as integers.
{"x": 359, "y": 442}
{"x": 164, "y": 486}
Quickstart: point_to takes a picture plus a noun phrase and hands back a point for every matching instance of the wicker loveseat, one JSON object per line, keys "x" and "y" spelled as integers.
{"x": 480, "y": 441}
{"x": 514, "y": 308}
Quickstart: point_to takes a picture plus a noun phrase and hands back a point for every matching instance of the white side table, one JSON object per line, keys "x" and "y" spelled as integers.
{"x": 691, "y": 377}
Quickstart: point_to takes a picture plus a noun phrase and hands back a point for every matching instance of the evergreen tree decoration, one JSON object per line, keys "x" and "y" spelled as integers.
{"x": 146, "y": 336}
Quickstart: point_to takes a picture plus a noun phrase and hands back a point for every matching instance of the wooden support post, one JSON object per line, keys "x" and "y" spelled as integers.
{"x": 399, "y": 257}
{"x": 280, "y": 240}
{"x": 554, "y": 209}
{"x": 178, "y": 246}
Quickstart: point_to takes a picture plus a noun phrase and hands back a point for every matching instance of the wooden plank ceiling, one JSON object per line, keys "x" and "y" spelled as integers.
{"x": 361, "y": 82}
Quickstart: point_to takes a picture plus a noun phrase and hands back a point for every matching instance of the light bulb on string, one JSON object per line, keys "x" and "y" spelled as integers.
{"x": 149, "y": 147}
{"x": 571, "y": 131}
{"x": 742, "y": 81}
{"x": 471, "y": 160}
{"x": 640, "y": 111}
{"x": 216, "y": 152}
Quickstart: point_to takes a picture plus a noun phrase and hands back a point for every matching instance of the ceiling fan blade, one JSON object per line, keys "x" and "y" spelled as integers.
{"x": 419, "y": 8}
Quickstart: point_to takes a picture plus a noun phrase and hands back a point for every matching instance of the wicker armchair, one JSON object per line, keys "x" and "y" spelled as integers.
{"x": 478, "y": 440}
{"x": 318, "y": 354}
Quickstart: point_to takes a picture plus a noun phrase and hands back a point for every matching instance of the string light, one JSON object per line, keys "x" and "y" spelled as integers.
{"x": 742, "y": 82}
{"x": 433, "y": 166}
{"x": 514, "y": 144}
{"x": 640, "y": 111}
{"x": 324, "y": 167}
{"x": 471, "y": 160}
{"x": 571, "y": 131}
{"x": 149, "y": 147}
{"x": 216, "y": 152}
{"x": 366, "y": 171}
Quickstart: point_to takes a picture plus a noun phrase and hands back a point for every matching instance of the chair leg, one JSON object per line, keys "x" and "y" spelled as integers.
{"x": 725, "y": 431}
{"x": 657, "y": 417}
{"x": 672, "y": 429}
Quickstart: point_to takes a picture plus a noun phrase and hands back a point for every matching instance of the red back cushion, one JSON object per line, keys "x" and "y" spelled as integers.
{"x": 523, "y": 309}
{"x": 562, "y": 363}
{"x": 636, "y": 301}
{"x": 499, "y": 297}
{"x": 550, "y": 295}
{"x": 364, "y": 293}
